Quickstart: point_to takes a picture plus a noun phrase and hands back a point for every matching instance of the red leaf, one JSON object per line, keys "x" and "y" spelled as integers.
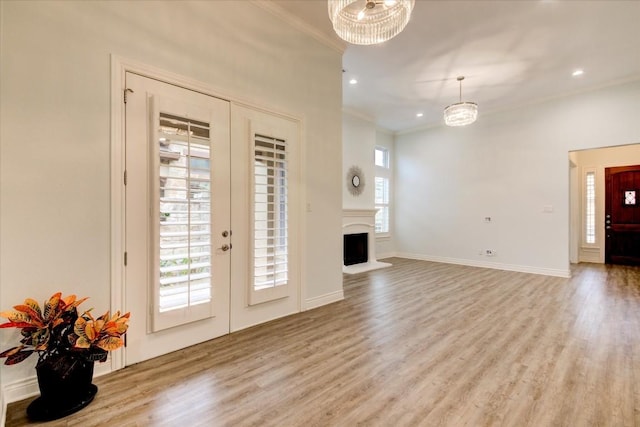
{"x": 9, "y": 352}
{"x": 16, "y": 325}
{"x": 18, "y": 357}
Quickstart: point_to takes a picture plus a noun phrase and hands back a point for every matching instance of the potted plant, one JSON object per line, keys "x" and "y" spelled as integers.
{"x": 67, "y": 345}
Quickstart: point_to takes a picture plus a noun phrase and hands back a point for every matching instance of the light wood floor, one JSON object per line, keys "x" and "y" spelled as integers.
{"x": 417, "y": 344}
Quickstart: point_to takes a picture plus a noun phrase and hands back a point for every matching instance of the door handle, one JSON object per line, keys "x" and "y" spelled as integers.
{"x": 225, "y": 247}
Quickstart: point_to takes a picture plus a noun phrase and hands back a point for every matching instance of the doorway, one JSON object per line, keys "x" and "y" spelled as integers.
{"x": 587, "y": 197}
{"x": 622, "y": 215}
{"x": 211, "y": 208}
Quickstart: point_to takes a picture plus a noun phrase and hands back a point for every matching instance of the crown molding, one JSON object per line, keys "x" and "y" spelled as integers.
{"x": 333, "y": 42}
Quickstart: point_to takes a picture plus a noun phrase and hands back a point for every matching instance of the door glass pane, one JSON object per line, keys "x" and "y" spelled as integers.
{"x": 184, "y": 223}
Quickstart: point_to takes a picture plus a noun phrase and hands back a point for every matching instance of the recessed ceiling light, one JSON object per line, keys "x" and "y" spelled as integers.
{"x": 419, "y": 115}
{"x": 353, "y": 82}
{"x": 578, "y": 72}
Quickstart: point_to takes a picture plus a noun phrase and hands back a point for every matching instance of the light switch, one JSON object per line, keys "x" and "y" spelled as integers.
{"x": 547, "y": 209}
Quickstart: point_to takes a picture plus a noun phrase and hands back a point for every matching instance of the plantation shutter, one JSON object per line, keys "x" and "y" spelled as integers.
{"x": 181, "y": 220}
{"x": 269, "y": 219}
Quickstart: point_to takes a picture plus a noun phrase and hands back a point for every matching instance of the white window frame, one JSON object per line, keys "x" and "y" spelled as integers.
{"x": 589, "y": 208}
{"x": 384, "y": 171}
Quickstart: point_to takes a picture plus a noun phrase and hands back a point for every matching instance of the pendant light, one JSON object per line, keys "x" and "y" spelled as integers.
{"x": 368, "y": 22}
{"x": 462, "y": 113}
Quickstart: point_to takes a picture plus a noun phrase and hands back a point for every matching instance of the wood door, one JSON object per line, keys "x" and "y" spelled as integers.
{"x": 622, "y": 215}
{"x": 177, "y": 277}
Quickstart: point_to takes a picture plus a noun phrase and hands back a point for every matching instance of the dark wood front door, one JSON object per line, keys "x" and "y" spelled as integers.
{"x": 622, "y": 215}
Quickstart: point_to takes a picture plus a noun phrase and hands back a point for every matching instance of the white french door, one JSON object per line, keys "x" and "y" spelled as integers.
{"x": 177, "y": 190}
{"x": 191, "y": 161}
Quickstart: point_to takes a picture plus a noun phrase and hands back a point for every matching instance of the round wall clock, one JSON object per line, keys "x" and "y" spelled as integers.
{"x": 355, "y": 180}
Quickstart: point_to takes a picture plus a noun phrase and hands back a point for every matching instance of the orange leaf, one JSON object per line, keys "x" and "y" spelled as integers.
{"x": 51, "y": 307}
{"x": 82, "y": 342}
{"x": 90, "y": 332}
{"x": 110, "y": 343}
{"x": 34, "y": 306}
{"x": 16, "y": 316}
{"x": 79, "y": 327}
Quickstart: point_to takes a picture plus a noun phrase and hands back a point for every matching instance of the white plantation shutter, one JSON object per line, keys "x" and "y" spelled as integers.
{"x": 382, "y": 191}
{"x": 269, "y": 221}
{"x": 183, "y": 221}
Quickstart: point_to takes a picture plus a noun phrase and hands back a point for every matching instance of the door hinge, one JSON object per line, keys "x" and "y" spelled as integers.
{"x": 125, "y": 340}
{"x": 125, "y": 259}
{"x": 125, "y": 177}
{"x": 126, "y": 91}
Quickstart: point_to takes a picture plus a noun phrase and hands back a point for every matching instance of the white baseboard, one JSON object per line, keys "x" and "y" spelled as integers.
{"x": 316, "y": 302}
{"x": 488, "y": 264}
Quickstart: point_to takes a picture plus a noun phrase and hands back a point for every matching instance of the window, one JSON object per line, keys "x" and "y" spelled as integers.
{"x": 382, "y": 157}
{"x": 183, "y": 205}
{"x": 590, "y": 208}
{"x": 270, "y": 216}
{"x": 382, "y": 190}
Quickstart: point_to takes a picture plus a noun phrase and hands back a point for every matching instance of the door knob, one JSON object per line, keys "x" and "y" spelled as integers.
{"x": 225, "y": 247}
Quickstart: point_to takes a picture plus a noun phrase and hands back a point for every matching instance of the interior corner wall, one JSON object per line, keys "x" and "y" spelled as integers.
{"x": 511, "y": 167}
{"x": 358, "y": 143}
{"x": 55, "y": 136}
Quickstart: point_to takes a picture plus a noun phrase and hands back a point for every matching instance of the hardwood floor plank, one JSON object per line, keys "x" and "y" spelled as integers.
{"x": 416, "y": 344}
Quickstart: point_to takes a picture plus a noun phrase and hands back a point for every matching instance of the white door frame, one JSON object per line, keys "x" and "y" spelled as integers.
{"x": 119, "y": 67}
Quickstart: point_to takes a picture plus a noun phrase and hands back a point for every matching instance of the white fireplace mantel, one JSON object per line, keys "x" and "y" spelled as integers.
{"x": 362, "y": 221}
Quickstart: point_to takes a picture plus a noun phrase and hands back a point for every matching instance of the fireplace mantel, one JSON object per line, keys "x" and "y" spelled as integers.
{"x": 362, "y": 221}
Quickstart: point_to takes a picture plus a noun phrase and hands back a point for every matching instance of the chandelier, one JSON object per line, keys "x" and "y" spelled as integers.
{"x": 462, "y": 113}
{"x": 369, "y": 21}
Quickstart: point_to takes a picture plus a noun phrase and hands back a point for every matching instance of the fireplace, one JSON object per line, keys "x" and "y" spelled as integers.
{"x": 358, "y": 230}
{"x": 356, "y": 248}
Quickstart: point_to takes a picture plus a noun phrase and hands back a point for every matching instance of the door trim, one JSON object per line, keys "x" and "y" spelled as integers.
{"x": 119, "y": 67}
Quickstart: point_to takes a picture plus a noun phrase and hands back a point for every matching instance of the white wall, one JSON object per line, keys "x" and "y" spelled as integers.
{"x": 358, "y": 143}
{"x": 508, "y": 166}
{"x": 598, "y": 160}
{"x": 55, "y": 135}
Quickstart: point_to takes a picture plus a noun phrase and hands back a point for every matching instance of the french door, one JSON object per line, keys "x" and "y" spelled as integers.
{"x": 193, "y": 270}
{"x": 177, "y": 217}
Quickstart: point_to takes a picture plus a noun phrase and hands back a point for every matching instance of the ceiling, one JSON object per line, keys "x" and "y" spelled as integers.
{"x": 512, "y": 53}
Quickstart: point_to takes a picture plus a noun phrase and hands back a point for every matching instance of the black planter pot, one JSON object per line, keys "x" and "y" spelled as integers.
{"x": 65, "y": 387}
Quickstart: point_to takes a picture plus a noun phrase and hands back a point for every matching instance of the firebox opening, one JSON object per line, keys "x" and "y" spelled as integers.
{"x": 356, "y": 248}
